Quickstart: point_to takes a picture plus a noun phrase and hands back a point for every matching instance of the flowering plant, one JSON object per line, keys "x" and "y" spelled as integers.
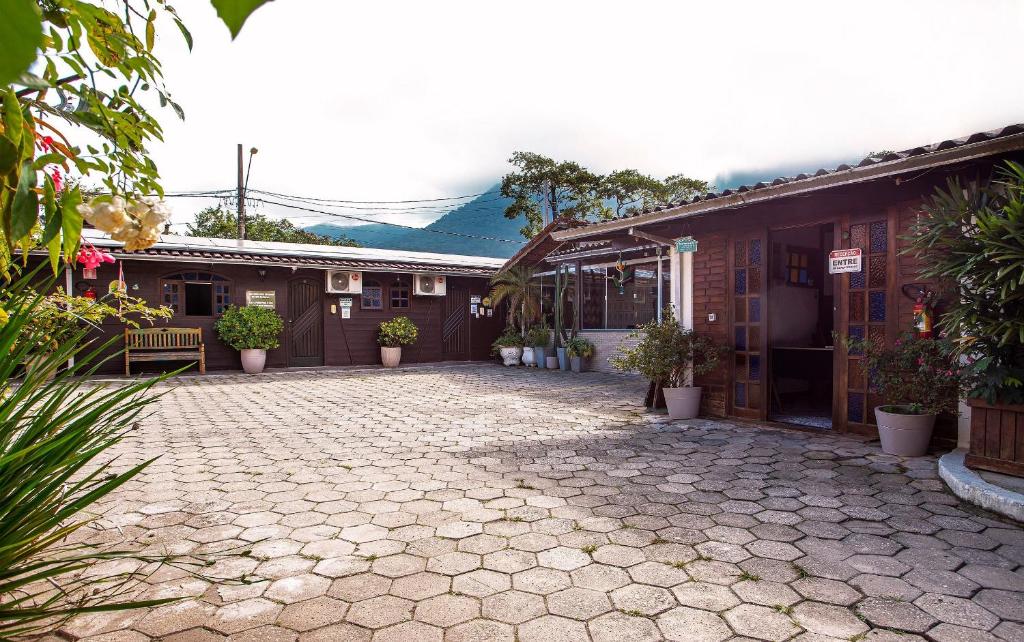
{"x": 664, "y": 352}
{"x": 923, "y": 374}
{"x": 136, "y": 223}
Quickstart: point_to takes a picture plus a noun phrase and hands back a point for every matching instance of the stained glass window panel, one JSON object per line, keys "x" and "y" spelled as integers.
{"x": 855, "y": 407}
{"x": 877, "y": 267}
{"x": 741, "y": 310}
{"x": 741, "y": 282}
{"x": 755, "y": 367}
{"x": 741, "y": 253}
{"x": 856, "y": 369}
{"x": 755, "y": 252}
{"x": 857, "y": 307}
{"x": 755, "y": 309}
{"x": 741, "y": 394}
{"x": 741, "y": 338}
{"x": 859, "y": 236}
{"x": 741, "y": 365}
{"x": 876, "y": 333}
{"x": 754, "y": 339}
{"x": 879, "y": 236}
{"x": 856, "y": 332}
{"x": 857, "y": 280}
{"x": 753, "y": 396}
{"x": 876, "y": 306}
{"x": 754, "y": 285}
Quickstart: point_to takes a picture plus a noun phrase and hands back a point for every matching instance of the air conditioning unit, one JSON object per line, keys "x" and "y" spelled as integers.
{"x": 428, "y": 285}
{"x": 344, "y": 282}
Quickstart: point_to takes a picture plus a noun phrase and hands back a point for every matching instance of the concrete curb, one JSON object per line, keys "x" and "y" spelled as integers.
{"x": 968, "y": 485}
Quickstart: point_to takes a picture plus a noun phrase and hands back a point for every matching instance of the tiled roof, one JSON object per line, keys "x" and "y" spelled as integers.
{"x": 893, "y": 160}
{"x": 195, "y": 249}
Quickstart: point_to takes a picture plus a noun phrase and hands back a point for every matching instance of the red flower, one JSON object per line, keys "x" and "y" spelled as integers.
{"x": 58, "y": 180}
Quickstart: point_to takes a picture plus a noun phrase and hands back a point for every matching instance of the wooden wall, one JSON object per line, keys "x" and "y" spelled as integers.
{"x": 710, "y": 296}
{"x": 346, "y": 341}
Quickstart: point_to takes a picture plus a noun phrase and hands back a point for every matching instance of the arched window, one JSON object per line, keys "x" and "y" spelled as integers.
{"x": 372, "y": 297}
{"x": 195, "y": 294}
{"x": 399, "y": 292}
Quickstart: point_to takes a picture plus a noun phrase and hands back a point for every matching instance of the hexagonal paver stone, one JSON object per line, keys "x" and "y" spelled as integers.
{"x": 1008, "y": 605}
{"x": 760, "y": 622}
{"x": 420, "y": 586}
{"x": 828, "y": 591}
{"x": 379, "y": 612}
{"x": 994, "y": 577}
{"x": 658, "y": 574}
{"x": 458, "y": 530}
{"x": 956, "y": 610}
{"x": 480, "y": 631}
{"x": 335, "y": 633}
{"x": 541, "y": 580}
{"x": 891, "y": 588}
{"x": 447, "y": 610}
{"x": 579, "y": 604}
{"x": 563, "y": 558}
{"x": 551, "y": 628}
{"x": 406, "y": 631}
{"x": 247, "y": 614}
{"x": 297, "y": 588}
{"x": 615, "y": 555}
{"x": 703, "y": 595}
{"x": 945, "y": 582}
{"x": 481, "y": 583}
{"x": 878, "y": 565}
{"x": 640, "y": 598}
{"x": 341, "y": 566}
{"x": 615, "y": 627}
{"x": 363, "y": 533}
{"x": 313, "y": 614}
{"x": 513, "y": 607}
{"x": 765, "y": 593}
{"x": 828, "y": 619}
{"x": 399, "y": 565}
{"x": 600, "y": 577}
{"x": 692, "y": 625}
{"x": 509, "y": 561}
{"x": 267, "y": 633}
{"x": 356, "y": 588}
{"x": 894, "y": 614}
{"x": 453, "y": 563}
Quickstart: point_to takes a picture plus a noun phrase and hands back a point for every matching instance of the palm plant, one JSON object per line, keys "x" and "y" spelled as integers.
{"x": 516, "y": 287}
{"x": 53, "y": 427}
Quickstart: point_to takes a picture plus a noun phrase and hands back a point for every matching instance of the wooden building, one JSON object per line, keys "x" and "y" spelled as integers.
{"x": 324, "y": 325}
{"x": 759, "y": 280}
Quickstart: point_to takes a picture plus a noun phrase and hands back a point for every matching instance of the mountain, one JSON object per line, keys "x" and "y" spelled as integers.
{"x": 482, "y": 216}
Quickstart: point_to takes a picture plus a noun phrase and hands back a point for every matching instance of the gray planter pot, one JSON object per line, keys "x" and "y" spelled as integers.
{"x": 563, "y": 359}
{"x": 683, "y": 403}
{"x": 540, "y": 355}
{"x": 253, "y": 361}
{"x": 902, "y": 434}
{"x": 578, "y": 364}
{"x": 552, "y": 363}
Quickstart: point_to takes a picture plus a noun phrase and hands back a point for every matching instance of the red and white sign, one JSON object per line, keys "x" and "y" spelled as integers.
{"x": 842, "y": 261}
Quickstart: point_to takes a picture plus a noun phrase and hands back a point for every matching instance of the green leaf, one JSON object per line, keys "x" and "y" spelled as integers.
{"x": 8, "y": 155}
{"x": 12, "y": 116}
{"x": 32, "y": 81}
{"x": 25, "y": 210}
{"x": 150, "y": 30}
{"x": 50, "y": 210}
{"x": 21, "y": 33}
{"x": 184, "y": 32}
{"x": 235, "y": 12}
{"x": 71, "y": 222}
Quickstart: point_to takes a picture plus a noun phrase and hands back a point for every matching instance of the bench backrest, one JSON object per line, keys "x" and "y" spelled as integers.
{"x": 163, "y": 338}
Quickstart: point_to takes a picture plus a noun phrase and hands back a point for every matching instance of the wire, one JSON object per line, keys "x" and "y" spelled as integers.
{"x": 410, "y": 208}
{"x": 408, "y": 227}
{"x": 337, "y": 200}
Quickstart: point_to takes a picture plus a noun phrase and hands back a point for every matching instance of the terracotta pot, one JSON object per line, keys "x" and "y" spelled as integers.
{"x": 390, "y": 357}
{"x": 528, "y": 355}
{"x": 253, "y": 361}
{"x": 552, "y": 363}
{"x": 683, "y": 403}
{"x": 902, "y": 434}
{"x": 510, "y": 355}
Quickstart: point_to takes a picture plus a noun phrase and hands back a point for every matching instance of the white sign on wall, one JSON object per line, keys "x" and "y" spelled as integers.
{"x": 843, "y": 261}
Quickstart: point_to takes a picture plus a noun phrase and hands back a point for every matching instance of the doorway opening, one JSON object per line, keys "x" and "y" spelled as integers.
{"x": 801, "y": 303}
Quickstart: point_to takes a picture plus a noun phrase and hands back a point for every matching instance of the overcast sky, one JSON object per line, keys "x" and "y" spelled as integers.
{"x": 393, "y": 100}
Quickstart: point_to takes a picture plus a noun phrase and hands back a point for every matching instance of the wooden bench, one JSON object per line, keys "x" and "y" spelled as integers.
{"x": 164, "y": 344}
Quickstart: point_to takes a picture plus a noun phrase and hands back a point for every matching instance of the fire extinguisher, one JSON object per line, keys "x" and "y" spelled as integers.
{"x": 90, "y": 293}
{"x": 922, "y": 318}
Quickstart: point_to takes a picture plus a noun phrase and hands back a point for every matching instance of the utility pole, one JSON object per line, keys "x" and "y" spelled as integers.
{"x": 241, "y": 197}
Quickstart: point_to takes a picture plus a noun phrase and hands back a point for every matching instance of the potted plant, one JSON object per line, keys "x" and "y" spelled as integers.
{"x": 920, "y": 378}
{"x": 579, "y": 350}
{"x": 510, "y": 346}
{"x": 968, "y": 237}
{"x": 669, "y": 356}
{"x": 539, "y": 338}
{"x": 394, "y": 334}
{"x": 252, "y": 331}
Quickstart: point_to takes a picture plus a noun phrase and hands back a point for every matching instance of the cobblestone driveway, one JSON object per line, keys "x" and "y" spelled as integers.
{"x": 476, "y": 503}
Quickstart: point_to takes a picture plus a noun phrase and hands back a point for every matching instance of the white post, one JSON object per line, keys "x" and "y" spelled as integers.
{"x": 686, "y": 276}
{"x": 661, "y": 302}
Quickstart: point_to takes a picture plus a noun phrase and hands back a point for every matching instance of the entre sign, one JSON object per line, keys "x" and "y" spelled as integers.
{"x": 843, "y": 261}
{"x": 686, "y": 245}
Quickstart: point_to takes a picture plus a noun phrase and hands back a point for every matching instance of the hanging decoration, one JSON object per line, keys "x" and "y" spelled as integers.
{"x": 623, "y": 275}
{"x": 90, "y": 258}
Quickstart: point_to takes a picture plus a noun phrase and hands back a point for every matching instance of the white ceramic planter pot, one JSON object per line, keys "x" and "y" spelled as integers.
{"x": 683, "y": 403}
{"x": 528, "y": 355}
{"x": 510, "y": 355}
{"x": 903, "y": 434}
{"x": 253, "y": 361}
{"x": 390, "y": 357}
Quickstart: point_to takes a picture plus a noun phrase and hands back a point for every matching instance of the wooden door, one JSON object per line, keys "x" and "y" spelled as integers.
{"x": 867, "y": 311}
{"x": 305, "y": 330}
{"x": 455, "y": 324}
{"x": 747, "y": 257}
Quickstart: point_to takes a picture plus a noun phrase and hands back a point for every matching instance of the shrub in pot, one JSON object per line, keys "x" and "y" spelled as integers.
{"x": 538, "y": 338}
{"x": 669, "y": 356}
{"x": 920, "y": 378}
{"x": 509, "y": 346}
{"x": 252, "y": 331}
{"x": 392, "y": 335}
{"x": 579, "y": 351}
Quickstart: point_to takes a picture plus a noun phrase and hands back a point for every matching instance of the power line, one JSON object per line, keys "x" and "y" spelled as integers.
{"x": 338, "y": 200}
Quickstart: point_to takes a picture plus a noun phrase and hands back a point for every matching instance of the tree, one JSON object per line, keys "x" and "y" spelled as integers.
{"x": 566, "y": 188}
{"x": 213, "y": 222}
{"x": 515, "y": 286}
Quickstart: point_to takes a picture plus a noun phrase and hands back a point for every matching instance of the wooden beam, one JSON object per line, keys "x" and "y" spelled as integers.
{"x": 647, "y": 236}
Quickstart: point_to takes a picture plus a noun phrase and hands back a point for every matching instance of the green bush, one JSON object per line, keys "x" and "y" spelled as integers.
{"x": 509, "y": 339}
{"x": 538, "y": 337}
{"x": 397, "y": 332}
{"x": 665, "y": 352}
{"x": 579, "y": 347}
{"x": 250, "y": 328}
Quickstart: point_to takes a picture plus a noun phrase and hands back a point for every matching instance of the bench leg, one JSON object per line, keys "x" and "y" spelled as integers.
{"x": 202, "y": 360}
{"x": 127, "y": 364}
